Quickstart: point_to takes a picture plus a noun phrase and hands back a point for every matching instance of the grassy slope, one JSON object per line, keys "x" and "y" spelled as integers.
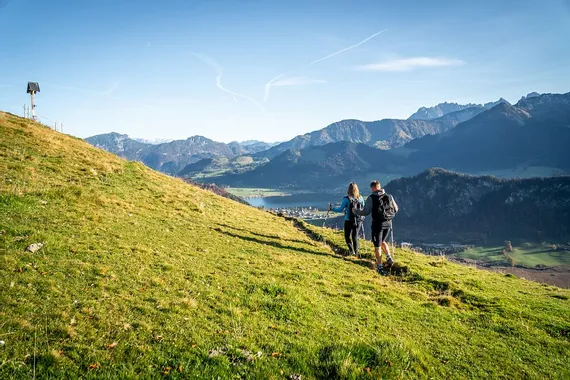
{"x": 142, "y": 274}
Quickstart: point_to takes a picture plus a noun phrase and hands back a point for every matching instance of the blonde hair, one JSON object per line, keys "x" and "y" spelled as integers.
{"x": 353, "y": 190}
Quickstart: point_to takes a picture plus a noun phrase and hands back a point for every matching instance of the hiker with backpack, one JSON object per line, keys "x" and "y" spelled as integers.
{"x": 383, "y": 208}
{"x": 352, "y": 221}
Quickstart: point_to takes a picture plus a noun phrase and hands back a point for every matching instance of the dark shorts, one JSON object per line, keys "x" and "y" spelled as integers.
{"x": 379, "y": 235}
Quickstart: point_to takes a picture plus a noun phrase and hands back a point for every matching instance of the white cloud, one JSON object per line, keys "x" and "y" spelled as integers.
{"x": 408, "y": 64}
{"x": 296, "y": 81}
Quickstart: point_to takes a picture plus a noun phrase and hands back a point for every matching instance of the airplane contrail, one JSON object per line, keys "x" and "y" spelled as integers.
{"x": 219, "y": 73}
{"x": 268, "y": 84}
{"x": 348, "y": 48}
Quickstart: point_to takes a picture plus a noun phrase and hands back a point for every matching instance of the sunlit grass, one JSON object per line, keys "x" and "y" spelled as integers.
{"x": 144, "y": 276}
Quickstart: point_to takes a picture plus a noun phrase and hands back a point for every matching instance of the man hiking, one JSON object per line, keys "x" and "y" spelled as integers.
{"x": 352, "y": 221}
{"x": 382, "y": 207}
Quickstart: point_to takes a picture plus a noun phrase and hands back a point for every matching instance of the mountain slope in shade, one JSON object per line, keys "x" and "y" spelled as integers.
{"x": 534, "y": 132}
{"x": 438, "y": 205}
{"x": 316, "y": 167}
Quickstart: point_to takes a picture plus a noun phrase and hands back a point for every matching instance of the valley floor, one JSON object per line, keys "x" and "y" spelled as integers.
{"x": 557, "y": 276}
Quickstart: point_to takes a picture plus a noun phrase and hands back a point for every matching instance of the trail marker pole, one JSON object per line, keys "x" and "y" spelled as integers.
{"x": 33, "y": 88}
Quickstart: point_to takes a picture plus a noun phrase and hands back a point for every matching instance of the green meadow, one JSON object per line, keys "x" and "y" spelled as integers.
{"x": 144, "y": 276}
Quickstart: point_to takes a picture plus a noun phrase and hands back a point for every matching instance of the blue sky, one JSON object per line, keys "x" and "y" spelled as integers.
{"x": 269, "y": 70}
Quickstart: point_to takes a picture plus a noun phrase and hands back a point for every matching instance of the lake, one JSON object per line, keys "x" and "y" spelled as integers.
{"x": 318, "y": 200}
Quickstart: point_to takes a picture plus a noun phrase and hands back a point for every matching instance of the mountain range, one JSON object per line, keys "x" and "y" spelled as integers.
{"x": 526, "y": 139}
{"x": 529, "y": 138}
{"x": 383, "y": 134}
{"x": 533, "y": 133}
{"x": 437, "y": 111}
{"x": 172, "y": 157}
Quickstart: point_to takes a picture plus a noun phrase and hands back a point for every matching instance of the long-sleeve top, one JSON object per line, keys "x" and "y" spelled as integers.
{"x": 345, "y": 207}
{"x": 370, "y": 203}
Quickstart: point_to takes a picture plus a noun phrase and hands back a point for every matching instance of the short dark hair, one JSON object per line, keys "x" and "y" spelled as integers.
{"x": 375, "y": 184}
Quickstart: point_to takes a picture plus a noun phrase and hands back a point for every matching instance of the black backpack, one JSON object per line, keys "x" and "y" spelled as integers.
{"x": 354, "y": 218}
{"x": 383, "y": 207}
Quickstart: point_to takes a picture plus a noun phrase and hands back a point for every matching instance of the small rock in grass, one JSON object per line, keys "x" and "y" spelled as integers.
{"x": 2, "y": 343}
{"x": 43, "y": 203}
{"x": 218, "y": 352}
{"x": 33, "y": 248}
{"x": 294, "y": 376}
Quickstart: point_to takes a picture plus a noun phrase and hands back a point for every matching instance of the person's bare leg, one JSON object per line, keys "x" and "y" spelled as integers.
{"x": 378, "y": 256}
{"x": 386, "y": 249}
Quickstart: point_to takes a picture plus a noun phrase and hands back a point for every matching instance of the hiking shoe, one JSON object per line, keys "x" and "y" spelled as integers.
{"x": 380, "y": 270}
{"x": 389, "y": 262}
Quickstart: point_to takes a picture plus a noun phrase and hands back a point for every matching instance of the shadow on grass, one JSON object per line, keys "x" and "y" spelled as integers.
{"x": 538, "y": 252}
{"x": 379, "y": 359}
{"x": 261, "y": 235}
{"x": 276, "y": 243}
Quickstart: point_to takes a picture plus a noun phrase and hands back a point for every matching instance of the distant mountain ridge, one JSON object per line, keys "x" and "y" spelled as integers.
{"x": 386, "y": 133}
{"x": 531, "y": 137}
{"x": 382, "y": 134}
{"x": 533, "y": 132}
{"x": 442, "y": 109}
{"x": 117, "y": 143}
{"x": 172, "y": 157}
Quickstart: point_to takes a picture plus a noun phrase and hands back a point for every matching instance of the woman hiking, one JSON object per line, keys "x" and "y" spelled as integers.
{"x": 352, "y": 221}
